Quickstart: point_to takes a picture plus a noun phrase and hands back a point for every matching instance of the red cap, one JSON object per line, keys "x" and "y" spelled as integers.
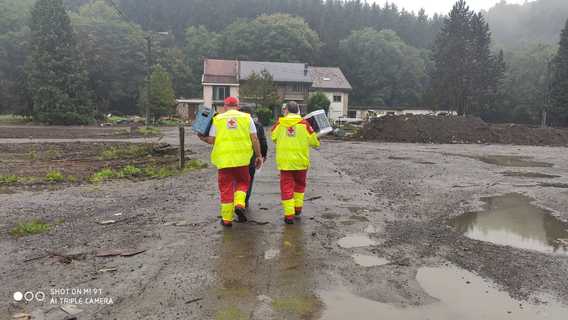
{"x": 232, "y": 102}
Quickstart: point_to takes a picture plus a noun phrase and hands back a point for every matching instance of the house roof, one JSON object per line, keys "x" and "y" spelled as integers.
{"x": 220, "y": 71}
{"x": 328, "y": 78}
{"x": 280, "y": 71}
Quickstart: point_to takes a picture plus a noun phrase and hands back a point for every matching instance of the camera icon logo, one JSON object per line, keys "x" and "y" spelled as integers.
{"x": 29, "y": 296}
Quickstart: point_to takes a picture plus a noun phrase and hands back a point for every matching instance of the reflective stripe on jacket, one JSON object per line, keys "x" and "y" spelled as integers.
{"x": 293, "y": 137}
{"x": 233, "y": 145}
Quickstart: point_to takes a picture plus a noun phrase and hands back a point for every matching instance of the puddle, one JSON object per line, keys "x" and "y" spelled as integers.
{"x": 513, "y": 161}
{"x": 370, "y": 229}
{"x": 536, "y": 175}
{"x": 355, "y": 241}
{"x": 369, "y": 261}
{"x": 457, "y": 299}
{"x": 554, "y": 185}
{"x": 271, "y": 254}
{"x": 513, "y": 221}
{"x": 506, "y": 160}
{"x": 399, "y": 158}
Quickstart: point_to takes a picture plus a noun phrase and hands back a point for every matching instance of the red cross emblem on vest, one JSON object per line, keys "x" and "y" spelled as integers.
{"x": 291, "y": 132}
{"x": 232, "y": 123}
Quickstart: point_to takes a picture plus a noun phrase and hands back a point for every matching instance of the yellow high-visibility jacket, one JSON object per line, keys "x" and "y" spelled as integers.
{"x": 233, "y": 145}
{"x": 293, "y": 137}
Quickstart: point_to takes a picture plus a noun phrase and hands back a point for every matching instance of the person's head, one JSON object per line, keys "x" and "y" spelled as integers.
{"x": 231, "y": 103}
{"x": 247, "y": 110}
{"x": 292, "y": 107}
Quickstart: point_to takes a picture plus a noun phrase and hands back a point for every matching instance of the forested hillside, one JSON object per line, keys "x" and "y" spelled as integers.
{"x": 517, "y": 25}
{"x": 392, "y": 58}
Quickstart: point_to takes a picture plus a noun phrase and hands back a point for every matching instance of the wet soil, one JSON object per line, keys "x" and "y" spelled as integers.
{"x": 66, "y": 132}
{"x": 76, "y": 161}
{"x": 193, "y": 269}
{"x": 529, "y": 175}
{"x": 457, "y": 129}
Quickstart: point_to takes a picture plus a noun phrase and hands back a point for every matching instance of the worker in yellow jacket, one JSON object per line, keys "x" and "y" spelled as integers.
{"x": 233, "y": 136}
{"x": 293, "y": 137}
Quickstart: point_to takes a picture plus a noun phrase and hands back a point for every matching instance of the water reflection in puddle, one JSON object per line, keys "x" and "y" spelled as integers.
{"x": 369, "y": 261}
{"x": 456, "y": 300}
{"x": 512, "y": 220}
{"x": 354, "y": 241}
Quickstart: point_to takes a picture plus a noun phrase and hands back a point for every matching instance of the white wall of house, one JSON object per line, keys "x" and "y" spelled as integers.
{"x": 208, "y": 93}
{"x": 337, "y": 108}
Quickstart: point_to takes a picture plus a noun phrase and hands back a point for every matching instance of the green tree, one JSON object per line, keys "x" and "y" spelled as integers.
{"x": 278, "y": 37}
{"x": 383, "y": 70}
{"x": 260, "y": 90}
{"x": 559, "y": 92}
{"x": 200, "y": 43}
{"x": 114, "y": 53}
{"x": 161, "y": 101}
{"x": 526, "y": 85}
{"x": 466, "y": 76}
{"x": 14, "y": 41}
{"x": 318, "y": 101}
{"x": 57, "y": 77}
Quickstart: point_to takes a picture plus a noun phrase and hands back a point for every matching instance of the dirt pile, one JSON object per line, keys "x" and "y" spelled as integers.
{"x": 454, "y": 129}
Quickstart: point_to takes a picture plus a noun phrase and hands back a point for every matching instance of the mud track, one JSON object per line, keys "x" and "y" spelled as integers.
{"x": 400, "y": 196}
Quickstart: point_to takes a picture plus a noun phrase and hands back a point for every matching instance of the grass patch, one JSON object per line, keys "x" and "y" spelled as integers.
{"x": 129, "y": 172}
{"x": 150, "y": 131}
{"x": 194, "y": 164}
{"x": 132, "y": 151}
{"x": 9, "y": 179}
{"x": 13, "y": 119}
{"x": 302, "y": 306}
{"x": 54, "y": 176}
{"x": 102, "y": 175}
{"x": 231, "y": 313}
{"x": 52, "y": 154}
{"x": 32, "y": 154}
{"x": 32, "y": 227}
{"x": 159, "y": 172}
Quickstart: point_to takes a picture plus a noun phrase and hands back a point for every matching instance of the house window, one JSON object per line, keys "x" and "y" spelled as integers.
{"x": 299, "y": 87}
{"x": 336, "y": 98}
{"x": 221, "y": 93}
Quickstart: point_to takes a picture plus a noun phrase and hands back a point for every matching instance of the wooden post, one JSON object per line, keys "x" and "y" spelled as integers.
{"x": 181, "y": 147}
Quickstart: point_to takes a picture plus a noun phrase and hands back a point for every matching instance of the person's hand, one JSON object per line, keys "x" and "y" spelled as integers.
{"x": 258, "y": 163}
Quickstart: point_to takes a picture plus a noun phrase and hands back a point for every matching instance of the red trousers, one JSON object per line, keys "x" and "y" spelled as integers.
{"x": 292, "y": 189}
{"x": 234, "y": 184}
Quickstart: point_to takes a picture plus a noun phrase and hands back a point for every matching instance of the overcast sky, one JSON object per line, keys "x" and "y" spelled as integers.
{"x": 443, "y": 6}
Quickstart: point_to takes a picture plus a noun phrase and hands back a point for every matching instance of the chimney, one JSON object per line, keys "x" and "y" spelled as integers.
{"x": 305, "y": 69}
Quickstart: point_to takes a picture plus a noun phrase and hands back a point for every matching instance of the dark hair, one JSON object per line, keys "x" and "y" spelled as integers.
{"x": 292, "y": 107}
{"x": 246, "y": 110}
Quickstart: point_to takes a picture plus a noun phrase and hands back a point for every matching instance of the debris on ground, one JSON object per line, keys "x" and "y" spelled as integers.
{"x": 22, "y": 316}
{"x": 118, "y": 252}
{"x": 105, "y": 222}
{"x": 71, "y": 309}
{"x": 458, "y": 130}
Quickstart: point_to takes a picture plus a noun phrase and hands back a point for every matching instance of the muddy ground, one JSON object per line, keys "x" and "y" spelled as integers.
{"x": 375, "y": 239}
{"x": 71, "y": 132}
{"x": 32, "y": 166}
{"x": 460, "y": 130}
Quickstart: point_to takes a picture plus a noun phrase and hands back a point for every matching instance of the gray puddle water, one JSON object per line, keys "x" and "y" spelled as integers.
{"x": 512, "y": 220}
{"x": 369, "y": 261}
{"x": 460, "y": 295}
{"x": 355, "y": 241}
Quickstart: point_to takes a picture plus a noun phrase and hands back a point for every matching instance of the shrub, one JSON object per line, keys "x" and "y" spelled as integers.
{"x": 102, "y": 175}
{"x": 54, "y": 176}
{"x": 35, "y": 226}
{"x": 9, "y": 179}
